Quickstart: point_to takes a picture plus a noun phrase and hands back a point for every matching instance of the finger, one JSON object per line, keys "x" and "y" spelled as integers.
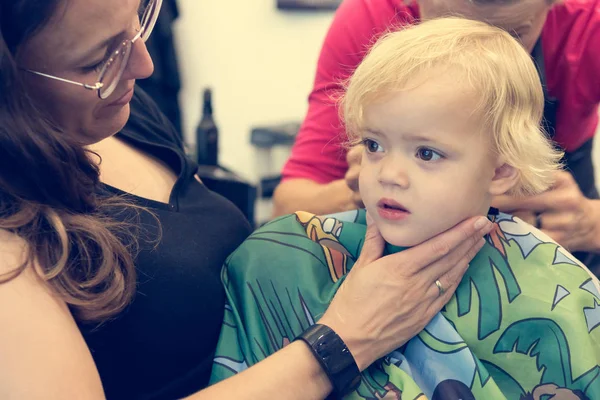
{"x": 441, "y": 300}
{"x": 511, "y": 204}
{"x": 451, "y": 268}
{"x": 563, "y": 178}
{"x": 354, "y": 156}
{"x": 352, "y": 180}
{"x": 357, "y": 200}
{"x": 440, "y": 246}
{"x": 555, "y": 199}
{"x": 451, "y": 280}
{"x": 536, "y": 203}
{"x": 505, "y": 203}
{"x": 555, "y": 221}
{"x": 525, "y": 216}
{"x": 373, "y": 246}
{"x": 565, "y": 194}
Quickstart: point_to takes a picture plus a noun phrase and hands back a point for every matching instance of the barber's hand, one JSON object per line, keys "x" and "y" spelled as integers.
{"x": 384, "y": 302}
{"x": 563, "y": 213}
{"x": 354, "y": 158}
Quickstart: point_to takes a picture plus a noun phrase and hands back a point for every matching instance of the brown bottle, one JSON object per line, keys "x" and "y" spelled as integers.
{"x": 207, "y": 134}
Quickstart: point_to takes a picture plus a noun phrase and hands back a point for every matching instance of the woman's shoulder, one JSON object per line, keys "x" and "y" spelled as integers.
{"x": 358, "y": 23}
{"x": 384, "y": 12}
{"x": 579, "y": 18}
{"x": 588, "y": 7}
{"x": 571, "y": 39}
{"x": 43, "y": 344}
{"x": 15, "y": 265}
{"x": 12, "y": 251}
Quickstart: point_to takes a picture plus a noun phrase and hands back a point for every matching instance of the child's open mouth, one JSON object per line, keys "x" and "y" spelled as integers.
{"x": 391, "y": 210}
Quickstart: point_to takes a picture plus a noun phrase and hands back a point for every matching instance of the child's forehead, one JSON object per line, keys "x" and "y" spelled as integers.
{"x": 431, "y": 106}
{"x": 433, "y": 90}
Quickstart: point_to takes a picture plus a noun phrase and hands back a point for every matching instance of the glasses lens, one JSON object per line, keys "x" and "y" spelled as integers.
{"x": 151, "y": 10}
{"x": 111, "y": 75}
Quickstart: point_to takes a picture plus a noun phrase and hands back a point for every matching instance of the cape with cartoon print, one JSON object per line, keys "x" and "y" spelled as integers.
{"x": 524, "y": 322}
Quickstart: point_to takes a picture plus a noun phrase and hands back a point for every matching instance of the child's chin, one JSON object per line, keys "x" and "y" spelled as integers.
{"x": 402, "y": 240}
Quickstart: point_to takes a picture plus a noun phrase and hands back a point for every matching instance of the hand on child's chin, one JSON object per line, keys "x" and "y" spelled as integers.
{"x": 398, "y": 238}
{"x": 411, "y": 236}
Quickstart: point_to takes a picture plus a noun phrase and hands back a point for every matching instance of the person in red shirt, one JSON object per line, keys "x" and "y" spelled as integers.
{"x": 564, "y": 39}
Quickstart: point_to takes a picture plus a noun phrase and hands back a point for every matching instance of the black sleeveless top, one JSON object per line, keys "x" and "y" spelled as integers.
{"x": 161, "y": 346}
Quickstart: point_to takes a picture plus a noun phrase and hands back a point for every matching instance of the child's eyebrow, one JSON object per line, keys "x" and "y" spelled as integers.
{"x": 373, "y": 131}
{"x": 408, "y": 137}
{"x": 419, "y": 138}
{"x": 436, "y": 141}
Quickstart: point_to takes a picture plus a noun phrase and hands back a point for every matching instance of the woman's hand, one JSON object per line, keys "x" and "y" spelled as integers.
{"x": 354, "y": 159}
{"x": 384, "y": 302}
{"x": 562, "y": 212}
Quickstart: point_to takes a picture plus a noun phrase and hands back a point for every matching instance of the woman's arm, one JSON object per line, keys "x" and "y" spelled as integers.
{"x": 291, "y": 373}
{"x": 305, "y": 195}
{"x": 42, "y": 353}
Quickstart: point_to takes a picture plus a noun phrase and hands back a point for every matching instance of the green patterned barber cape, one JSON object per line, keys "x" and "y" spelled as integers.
{"x": 523, "y": 324}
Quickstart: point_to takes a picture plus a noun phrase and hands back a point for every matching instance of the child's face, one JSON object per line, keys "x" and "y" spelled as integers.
{"x": 427, "y": 163}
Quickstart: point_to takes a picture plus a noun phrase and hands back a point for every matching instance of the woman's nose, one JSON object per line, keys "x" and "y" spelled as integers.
{"x": 140, "y": 65}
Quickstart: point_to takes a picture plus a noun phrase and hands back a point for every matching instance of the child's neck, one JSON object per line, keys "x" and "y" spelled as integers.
{"x": 390, "y": 248}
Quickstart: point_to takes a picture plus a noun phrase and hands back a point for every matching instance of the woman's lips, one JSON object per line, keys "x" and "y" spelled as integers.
{"x": 121, "y": 101}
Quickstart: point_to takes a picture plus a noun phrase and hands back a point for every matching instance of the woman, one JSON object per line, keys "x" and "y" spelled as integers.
{"x": 563, "y": 38}
{"x": 97, "y": 206}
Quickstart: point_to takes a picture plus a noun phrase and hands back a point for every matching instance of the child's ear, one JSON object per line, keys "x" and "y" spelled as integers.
{"x": 505, "y": 178}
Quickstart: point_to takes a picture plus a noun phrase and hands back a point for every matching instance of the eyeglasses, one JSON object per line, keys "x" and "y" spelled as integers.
{"x": 115, "y": 65}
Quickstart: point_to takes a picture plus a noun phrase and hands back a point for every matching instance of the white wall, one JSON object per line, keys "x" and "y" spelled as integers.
{"x": 259, "y": 61}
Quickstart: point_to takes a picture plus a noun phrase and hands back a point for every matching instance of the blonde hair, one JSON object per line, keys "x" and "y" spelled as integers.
{"x": 493, "y": 63}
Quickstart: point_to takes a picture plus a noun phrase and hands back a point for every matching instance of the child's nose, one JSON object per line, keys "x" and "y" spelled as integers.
{"x": 393, "y": 172}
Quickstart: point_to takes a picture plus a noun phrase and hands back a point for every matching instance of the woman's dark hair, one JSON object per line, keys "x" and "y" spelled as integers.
{"x": 48, "y": 187}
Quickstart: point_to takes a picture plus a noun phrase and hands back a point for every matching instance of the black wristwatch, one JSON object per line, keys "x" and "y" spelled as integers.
{"x": 334, "y": 357}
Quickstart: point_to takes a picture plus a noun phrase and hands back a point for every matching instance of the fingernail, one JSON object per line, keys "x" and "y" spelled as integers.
{"x": 481, "y": 223}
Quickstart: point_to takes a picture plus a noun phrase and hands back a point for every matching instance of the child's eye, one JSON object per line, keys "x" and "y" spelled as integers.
{"x": 372, "y": 146}
{"x": 427, "y": 154}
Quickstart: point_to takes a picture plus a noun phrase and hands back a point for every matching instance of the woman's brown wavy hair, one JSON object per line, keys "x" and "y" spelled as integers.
{"x": 48, "y": 187}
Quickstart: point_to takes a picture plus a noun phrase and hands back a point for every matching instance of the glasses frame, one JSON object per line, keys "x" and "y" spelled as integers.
{"x": 152, "y": 11}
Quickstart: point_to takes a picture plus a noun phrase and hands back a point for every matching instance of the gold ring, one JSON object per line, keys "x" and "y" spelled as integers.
{"x": 440, "y": 287}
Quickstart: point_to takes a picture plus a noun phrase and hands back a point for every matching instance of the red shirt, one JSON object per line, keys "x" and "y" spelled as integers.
{"x": 571, "y": 46}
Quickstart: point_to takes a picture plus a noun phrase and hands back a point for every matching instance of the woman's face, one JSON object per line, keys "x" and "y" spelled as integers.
{"x": 524, "y": 19}
{"x": 72, "y": 45}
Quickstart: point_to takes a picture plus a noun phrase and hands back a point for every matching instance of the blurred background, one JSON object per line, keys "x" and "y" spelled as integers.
{"x": 258, "y": 60}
